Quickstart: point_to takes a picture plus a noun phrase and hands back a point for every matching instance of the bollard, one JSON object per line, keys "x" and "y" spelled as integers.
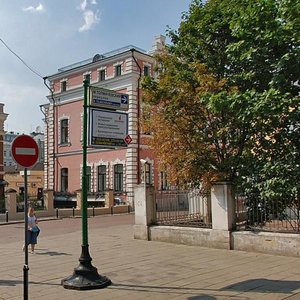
{"x": 93, "y": 211}
{"x": 6, "y": 216}
{"x": 111, "y": 210}
{"x": 57, "y": 213}
{"x": 73, "y": 212}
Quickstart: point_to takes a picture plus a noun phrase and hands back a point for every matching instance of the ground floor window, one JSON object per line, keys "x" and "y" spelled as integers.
{"x": 64, "y": 179}
{"x": 118, "y": 178}
{"x": 101, "y": 178}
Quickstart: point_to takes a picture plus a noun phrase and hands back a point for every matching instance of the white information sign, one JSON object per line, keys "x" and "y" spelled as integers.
{"x": 103, "y": 98}
{"x": 108, "y": 128}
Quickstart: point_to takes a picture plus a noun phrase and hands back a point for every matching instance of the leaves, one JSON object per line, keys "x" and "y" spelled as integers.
{"x": 225, "y": 104}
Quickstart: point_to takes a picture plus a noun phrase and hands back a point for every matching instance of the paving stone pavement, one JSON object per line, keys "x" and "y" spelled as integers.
{"x": 147, "y": 270}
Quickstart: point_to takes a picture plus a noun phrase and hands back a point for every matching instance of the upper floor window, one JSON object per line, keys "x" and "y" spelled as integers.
{"x": 101, "y": 75}
{"x": 118, "y": 178}
{"x": 146, "y": 71}
{"x": 118, "y": 70}
{"x": 64, "y": 131}
{"x": 87, "y": 77}
{"x": 63, "y": 86}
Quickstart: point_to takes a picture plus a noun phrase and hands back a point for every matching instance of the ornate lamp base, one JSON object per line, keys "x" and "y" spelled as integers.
{"x": 85, "y": 276}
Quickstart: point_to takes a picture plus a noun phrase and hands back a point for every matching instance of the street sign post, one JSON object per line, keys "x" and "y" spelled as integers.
{"x": 25, "y": 152}
{"x": 85, "y": 276}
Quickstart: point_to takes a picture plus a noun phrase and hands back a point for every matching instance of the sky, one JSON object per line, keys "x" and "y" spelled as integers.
{"x": 49, "y": 34}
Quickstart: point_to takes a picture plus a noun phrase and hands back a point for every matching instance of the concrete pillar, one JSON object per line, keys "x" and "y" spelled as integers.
{"x": 223, "y": 206}
{"x": 11, "y": 205}
{"x": 145, "y": 211}
{"x": 49, "y": 201}
{"x": 109, "y": 198}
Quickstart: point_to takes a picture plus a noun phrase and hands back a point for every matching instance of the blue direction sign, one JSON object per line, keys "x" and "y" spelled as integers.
{"x": 103, "y": 98}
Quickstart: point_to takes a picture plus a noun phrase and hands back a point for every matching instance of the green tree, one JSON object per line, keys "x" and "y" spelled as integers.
{"x": 226, "y": 100}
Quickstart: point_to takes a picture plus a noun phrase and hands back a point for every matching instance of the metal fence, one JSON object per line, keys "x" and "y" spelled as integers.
{"x": 183, "y": 208}
{"x": 266, "y": 215}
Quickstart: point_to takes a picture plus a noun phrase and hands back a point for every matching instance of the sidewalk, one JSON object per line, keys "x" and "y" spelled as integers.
{"x": 147, "y": 270}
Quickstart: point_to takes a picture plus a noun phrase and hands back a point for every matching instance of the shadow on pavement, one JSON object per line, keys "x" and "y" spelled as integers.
{"x": 175, "y": 290}
{"x": 10, "y": 282}
{"x": 50, "y": 253}
{"x": 16, "y": 282}
{"x": 263, "y": 285}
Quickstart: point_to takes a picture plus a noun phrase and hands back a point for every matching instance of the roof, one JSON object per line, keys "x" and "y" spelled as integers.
{"x": 99, "y": 57}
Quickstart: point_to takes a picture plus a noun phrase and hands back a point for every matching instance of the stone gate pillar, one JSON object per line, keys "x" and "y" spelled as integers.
{"x": 145, "y": 211}
{"x": 223, "y": 206}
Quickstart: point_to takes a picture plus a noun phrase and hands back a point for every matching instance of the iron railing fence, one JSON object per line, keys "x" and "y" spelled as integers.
{"x": 268, "y": 215}
{"x": 183, "y": 208}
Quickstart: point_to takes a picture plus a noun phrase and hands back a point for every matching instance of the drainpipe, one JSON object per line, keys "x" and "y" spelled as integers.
{"x": 138, "y": 119}
{"x": 52, "y": 97}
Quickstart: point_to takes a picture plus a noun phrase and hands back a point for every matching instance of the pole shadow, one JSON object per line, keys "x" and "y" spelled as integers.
{"x": 50, "y": 253}
{"x": 262, "y": 285}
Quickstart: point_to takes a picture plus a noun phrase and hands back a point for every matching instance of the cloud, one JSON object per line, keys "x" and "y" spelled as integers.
{"x": 90, "y": 18}
{"x": 83, "y": 4}
{"x": 38, "y": 8}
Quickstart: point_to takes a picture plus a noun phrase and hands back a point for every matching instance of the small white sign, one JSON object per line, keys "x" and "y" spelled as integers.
{"x": 108, "y": 128}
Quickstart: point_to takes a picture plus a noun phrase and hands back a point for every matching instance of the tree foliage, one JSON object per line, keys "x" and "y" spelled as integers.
{"x": 226, "y": 99}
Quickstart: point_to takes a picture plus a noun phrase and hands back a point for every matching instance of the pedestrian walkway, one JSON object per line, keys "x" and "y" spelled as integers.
{"x": 147, "y": 270}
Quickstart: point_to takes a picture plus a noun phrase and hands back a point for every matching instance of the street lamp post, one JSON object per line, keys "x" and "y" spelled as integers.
{"x": 85, "y": 276}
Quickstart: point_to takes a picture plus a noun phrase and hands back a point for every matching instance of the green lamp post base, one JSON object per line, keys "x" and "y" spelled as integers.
{"x": 85, "y": 276}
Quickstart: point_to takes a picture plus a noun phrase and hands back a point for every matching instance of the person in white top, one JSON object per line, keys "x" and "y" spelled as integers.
{"x": 32, "y": 229}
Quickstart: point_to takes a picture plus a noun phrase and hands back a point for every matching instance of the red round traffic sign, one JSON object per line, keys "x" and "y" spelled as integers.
{"x": 25, "y": 150}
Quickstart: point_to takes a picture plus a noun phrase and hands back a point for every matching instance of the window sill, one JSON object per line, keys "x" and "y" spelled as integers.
{"x": 64, "y": 145}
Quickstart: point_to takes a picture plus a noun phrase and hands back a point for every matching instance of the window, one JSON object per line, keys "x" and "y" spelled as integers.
{"x": 101, "y": 178}
{"x": 88, "y": 178}
{"x": 63, "y": 86}
{"x": 118, "y": 70}
{"x": 148, "y": 173}
{"x": 118, "y": 178}
{"x": 64, "y": 131}
{"x": 87, "y": 77}
{"x": 146, "y": 71}
{"x": 101, "y": 75}
{"x": 64, "y": 179}
{"x": 163, "y": 181}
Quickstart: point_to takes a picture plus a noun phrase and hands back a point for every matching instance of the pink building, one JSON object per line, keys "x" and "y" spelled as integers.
{"x": 119, "y": 169}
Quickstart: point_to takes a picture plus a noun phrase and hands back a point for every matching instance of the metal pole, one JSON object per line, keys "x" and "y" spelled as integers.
{"x": 85, "y": 276}
{"x": 84, "y": 175}
{"x": 25, "y": 268}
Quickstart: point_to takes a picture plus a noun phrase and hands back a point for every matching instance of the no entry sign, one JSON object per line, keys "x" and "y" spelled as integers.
{"x": 25, "y": 150}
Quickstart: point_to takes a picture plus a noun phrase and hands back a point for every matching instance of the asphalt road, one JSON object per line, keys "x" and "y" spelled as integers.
{"x": 11, "y": 233}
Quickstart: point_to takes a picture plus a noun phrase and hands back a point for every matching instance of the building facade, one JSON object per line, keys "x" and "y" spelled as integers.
{"x": 118, "y": 169}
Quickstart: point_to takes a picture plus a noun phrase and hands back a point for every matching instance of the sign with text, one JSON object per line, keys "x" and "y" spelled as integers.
{"x": 108, "y": 129}
{"x": 103, "y": 98}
